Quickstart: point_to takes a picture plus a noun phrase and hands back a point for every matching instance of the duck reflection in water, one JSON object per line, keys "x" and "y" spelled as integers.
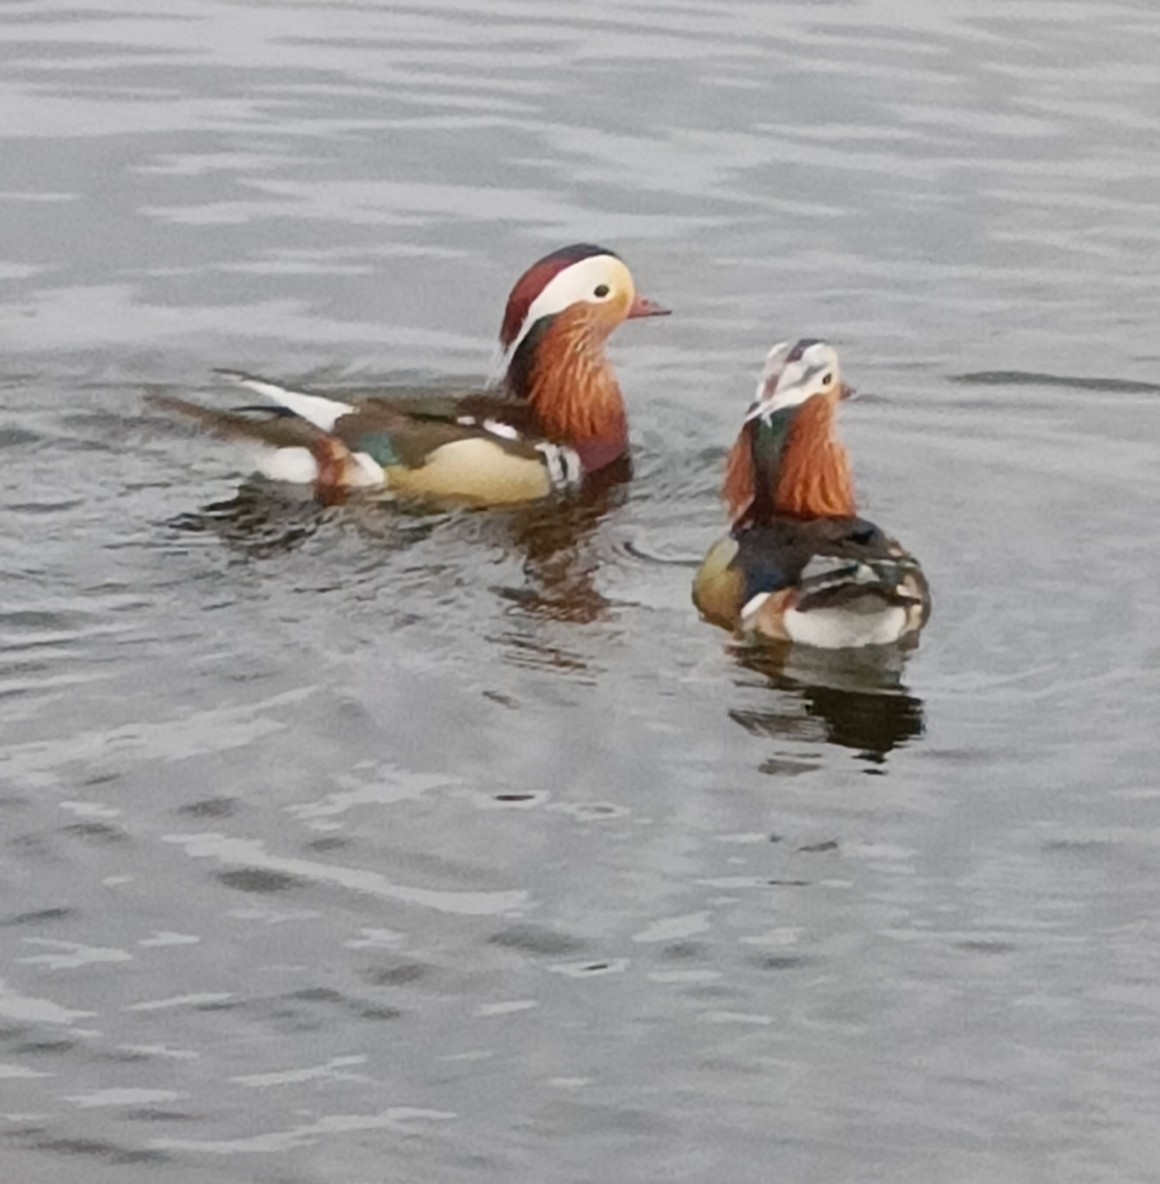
{"x": 561, "y": 561}
{"x": 556, "y": 544}
{"x": 851, "y": 698}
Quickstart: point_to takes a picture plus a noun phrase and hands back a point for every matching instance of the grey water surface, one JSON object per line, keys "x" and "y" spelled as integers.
{"x": 349, "y": 844}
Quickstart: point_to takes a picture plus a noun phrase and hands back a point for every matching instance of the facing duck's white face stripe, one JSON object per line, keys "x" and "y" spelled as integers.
{"x": 578, "y": 282}
{"x": 816, "y": 372}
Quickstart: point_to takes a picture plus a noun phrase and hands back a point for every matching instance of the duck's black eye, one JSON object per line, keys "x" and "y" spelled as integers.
{"x": 827, "y": 380}
{"x": 601, "y": 291}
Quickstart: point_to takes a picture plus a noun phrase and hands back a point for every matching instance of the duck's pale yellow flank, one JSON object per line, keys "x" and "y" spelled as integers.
{"x": 558, "y": 415}
{"x": 474, "y": 470}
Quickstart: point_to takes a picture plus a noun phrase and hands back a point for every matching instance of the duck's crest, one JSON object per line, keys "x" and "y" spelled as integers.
{"x": 798, "y": 352}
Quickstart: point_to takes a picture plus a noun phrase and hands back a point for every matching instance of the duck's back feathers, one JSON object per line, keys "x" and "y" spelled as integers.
{"x": 831, "y": 582}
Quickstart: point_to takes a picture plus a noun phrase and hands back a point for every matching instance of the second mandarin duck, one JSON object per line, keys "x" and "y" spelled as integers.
{"x": 799, "y": 564}
{"x": 557, "y": 416}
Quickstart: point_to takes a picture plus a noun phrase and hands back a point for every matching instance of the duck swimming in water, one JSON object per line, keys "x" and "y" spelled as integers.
{"x": 799, "y": 564}
{"x": 557, "y": 416}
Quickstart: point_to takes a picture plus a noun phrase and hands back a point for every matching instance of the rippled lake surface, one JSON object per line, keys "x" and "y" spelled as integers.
{"x": 347, "y": 844}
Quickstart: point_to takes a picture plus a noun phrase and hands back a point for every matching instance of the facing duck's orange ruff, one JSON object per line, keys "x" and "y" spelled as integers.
{"x": 740, "y": 487}
{"x": 814, "y": 478}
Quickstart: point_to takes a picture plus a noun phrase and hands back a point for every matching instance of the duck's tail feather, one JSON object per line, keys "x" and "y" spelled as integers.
{"x": 270, "y": 426}
{"x": 322, "y": 412}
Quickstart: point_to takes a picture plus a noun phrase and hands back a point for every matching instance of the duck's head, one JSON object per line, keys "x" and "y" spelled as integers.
{"x": 591, "y": 280}
{"x": 794, "y": 374}
{"x": 791, "y": 375}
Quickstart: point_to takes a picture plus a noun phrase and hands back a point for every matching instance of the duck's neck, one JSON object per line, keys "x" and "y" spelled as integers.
{"x": 752, "y": 468}
{"x": 561, "y": 369}
{"x": 813, "y": 478}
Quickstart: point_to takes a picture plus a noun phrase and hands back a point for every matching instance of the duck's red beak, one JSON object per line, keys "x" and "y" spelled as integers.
{"x": 642, "y": 306}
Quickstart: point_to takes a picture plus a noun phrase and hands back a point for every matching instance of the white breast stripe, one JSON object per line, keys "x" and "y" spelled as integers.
{"x": 753, "y": 604}
{"x": 563, "y": 465}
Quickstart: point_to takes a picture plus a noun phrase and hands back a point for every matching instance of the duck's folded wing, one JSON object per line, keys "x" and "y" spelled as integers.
{"x": 845, "y": 565}
{"x": 407, "y": 429}
{"x": 823, "y": 555}
{"x": 827, "y": 562}
{"x": 466, "y": 445}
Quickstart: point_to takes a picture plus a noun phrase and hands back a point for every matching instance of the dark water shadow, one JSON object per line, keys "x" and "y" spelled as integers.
{"x": 853, "y": 699}
{"x": 260, "y": 520}
{"x": 1119, "y": 386}
{"x": 267, "y": 518}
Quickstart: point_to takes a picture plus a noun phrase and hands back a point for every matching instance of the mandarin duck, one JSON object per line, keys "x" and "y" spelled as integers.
{"x": 557, "y": 416}
{"x": 799, "y": 564}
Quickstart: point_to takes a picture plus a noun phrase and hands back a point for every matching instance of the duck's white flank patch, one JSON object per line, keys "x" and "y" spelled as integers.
{"x": 296, "y": 465}
{"x": 844, "y": 628}
{"x": 323, "y": 413}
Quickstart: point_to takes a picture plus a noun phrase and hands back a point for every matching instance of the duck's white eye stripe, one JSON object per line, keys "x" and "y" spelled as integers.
{"x": 813, "y": 371}
{"x": 575, "y": 283}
